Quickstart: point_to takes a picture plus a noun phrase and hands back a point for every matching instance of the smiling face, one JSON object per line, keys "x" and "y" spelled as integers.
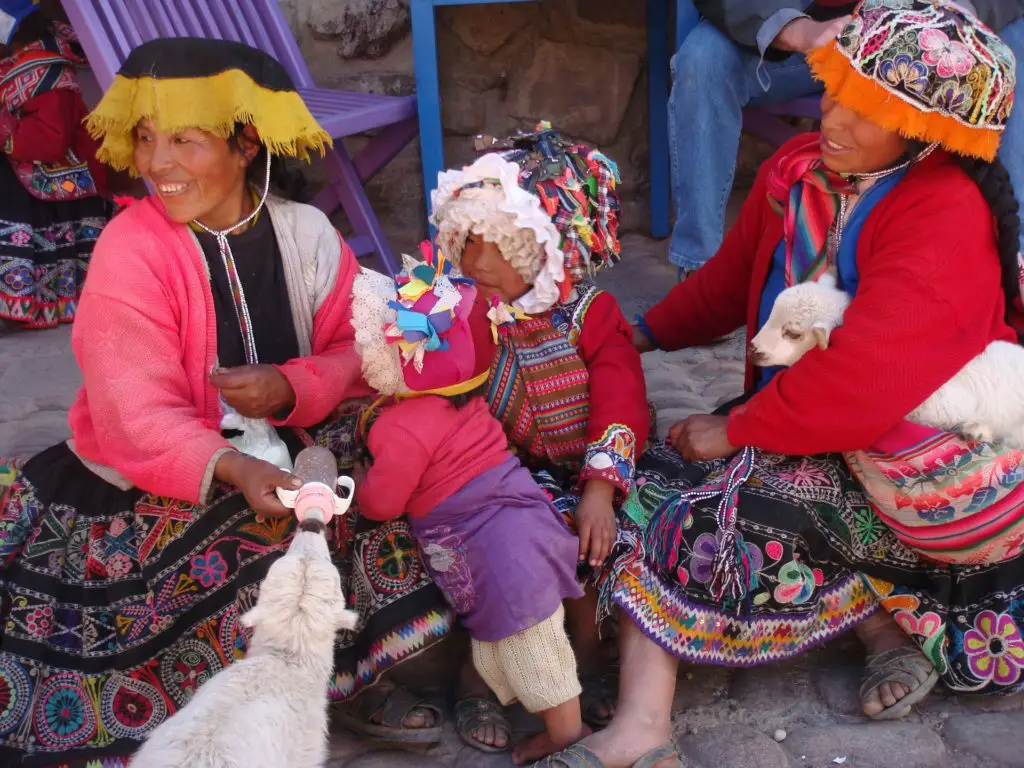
{"x": 482, "y": 261}
{"x": 853, "y": 144}
{"x": 197, "y": 175}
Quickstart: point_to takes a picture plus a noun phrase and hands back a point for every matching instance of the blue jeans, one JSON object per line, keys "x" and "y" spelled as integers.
{"x": 1011, "y": 150}
{"x": 712, "y": 81}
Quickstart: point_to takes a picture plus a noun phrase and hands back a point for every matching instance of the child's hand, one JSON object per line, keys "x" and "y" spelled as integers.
{"x": 595, "y": 521}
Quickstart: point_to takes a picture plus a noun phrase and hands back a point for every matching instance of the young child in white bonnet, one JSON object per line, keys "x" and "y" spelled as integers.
{"x": 489, "y": 535}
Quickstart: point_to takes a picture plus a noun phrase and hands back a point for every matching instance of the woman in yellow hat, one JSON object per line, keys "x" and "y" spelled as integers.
{"x": 214, "y": 343}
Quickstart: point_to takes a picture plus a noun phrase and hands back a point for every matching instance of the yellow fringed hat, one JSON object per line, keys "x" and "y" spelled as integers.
{"x": 926, "y": 69}
{"x": 213, "y": 85}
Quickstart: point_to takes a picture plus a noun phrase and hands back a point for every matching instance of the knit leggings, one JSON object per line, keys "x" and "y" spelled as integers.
{"x": 536, "y": 666}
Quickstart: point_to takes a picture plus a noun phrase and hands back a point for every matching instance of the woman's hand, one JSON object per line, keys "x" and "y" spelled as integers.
{"x": 803, "y": 35}
{"x": 258, "y": 481}
{"x": 642, "y": 341}
{"x": 255, "y": 391}
{"x": 701, "y": 438}
{"x": 595, "y": 521}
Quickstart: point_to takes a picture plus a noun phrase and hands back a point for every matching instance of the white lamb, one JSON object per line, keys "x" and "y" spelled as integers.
{"x": 270, "y": 709}
{"x": 983, "y": 402}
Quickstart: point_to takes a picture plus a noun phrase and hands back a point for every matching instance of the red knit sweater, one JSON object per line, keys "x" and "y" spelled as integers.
{"x": 425, "y": 449}
{"x": 929, "y": 300}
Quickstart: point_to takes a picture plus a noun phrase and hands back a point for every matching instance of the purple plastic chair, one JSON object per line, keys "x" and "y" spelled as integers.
{"x": 110, "y": 29}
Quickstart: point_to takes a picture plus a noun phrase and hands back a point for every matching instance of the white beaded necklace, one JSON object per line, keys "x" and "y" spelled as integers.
{"x": 235, "y": 282}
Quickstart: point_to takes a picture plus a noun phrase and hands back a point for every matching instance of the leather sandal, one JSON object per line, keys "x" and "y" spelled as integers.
{"x": 905, "y": 665}
{"x": 474, "y": 713}
{"x": 580, "y": 756}
{"x": 394, "y": 704}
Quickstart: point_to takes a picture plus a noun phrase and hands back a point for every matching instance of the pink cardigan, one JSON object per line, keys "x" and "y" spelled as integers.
{"x": 145, "y": 340}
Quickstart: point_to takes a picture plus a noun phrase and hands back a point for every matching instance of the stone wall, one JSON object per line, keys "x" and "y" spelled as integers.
{"x": 579, "y": 63}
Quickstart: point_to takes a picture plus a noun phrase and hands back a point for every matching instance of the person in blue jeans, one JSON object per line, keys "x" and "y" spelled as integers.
{"x": 750, "y": 53}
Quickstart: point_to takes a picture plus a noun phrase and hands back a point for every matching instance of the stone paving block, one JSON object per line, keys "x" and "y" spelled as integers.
{"x": 995, "y": 703}
{"x": 391, "y": 759}
{"x": 993, "y": 737}
{"x": 49, "y": 381}
{"x": 344, "y": 746}
{"x": 27, "y": 345}
{"x": 700, "y": 687}
{"x": 871, "y": 745}
{"x": 474, "y": 758}
{"x": 40, "y": 430}
{"x": 734, "y": 746}
{"x": 839, "y": 687}
{"x": 773, "y": 692}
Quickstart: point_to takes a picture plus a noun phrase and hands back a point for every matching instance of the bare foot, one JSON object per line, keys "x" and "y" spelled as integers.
{"x": 542, "y": 745}
{"x": 879, "y": 634}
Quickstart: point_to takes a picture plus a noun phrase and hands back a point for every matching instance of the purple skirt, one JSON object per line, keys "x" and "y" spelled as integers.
{"x": 500, "y": 552}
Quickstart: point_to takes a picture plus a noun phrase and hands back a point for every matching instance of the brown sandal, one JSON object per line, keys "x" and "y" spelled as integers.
{"x": 580, "y": 756}
{"x": 394, "y": 704}
{"x": 473, "y": 713}
{"x": 905, "y": 665}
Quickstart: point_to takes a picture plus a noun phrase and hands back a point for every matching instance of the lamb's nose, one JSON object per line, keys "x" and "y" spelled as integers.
{"x": 755, "y": 355}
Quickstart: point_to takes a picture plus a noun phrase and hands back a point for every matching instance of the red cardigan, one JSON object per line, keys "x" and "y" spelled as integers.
{"x": 425, "y": 449}
{"x": 928, "y": 301}
{"x": 145, "y": 338}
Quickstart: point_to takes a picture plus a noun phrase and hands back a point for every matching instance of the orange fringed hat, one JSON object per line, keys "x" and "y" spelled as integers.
{"x": 926, "y": 69}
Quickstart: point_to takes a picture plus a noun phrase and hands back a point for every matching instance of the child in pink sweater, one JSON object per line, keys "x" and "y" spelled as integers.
{"x": 489, "y": 535}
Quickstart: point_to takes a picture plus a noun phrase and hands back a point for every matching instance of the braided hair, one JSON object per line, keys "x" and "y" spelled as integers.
{"x": 994, "y": 182}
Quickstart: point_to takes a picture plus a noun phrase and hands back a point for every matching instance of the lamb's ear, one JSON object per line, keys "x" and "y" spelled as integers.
{"x": 821, "y": 334}
{"x": 251, "y": 618}
{"x": 828, "y": 280}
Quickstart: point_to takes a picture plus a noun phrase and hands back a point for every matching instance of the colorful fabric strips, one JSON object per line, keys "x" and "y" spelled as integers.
{"x": 422, "y": 322}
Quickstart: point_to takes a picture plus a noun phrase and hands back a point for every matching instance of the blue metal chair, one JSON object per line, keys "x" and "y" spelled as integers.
{"x": 428, "y": 89}
{"x": 428, "y": 93}
{"x": 763, "y": 121}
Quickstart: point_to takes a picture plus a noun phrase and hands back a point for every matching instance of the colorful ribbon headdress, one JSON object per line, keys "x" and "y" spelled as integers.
{"x": 415, "y": 334}
{"x": 429, "y": 302}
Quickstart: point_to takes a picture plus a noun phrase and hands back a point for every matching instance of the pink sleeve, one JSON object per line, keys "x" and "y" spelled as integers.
{"x": 399, "y": 461}
{"x": 127, "y": 345}
{"x": 328, "y": 376}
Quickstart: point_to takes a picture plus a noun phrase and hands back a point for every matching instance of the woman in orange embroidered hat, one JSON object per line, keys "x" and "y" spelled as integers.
{"x": 489, "y": 535}
{"x": 811, "y": 507}
{"x": 532, "y": 221}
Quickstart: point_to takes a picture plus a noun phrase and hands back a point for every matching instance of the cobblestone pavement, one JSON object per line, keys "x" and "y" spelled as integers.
{"x": 722, "y": 717}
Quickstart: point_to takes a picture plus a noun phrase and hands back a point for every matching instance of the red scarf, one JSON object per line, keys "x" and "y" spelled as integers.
{"x": 806, "y": 193}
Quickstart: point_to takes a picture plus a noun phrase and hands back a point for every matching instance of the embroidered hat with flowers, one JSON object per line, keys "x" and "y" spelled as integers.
{"x": 926, "y": 69}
